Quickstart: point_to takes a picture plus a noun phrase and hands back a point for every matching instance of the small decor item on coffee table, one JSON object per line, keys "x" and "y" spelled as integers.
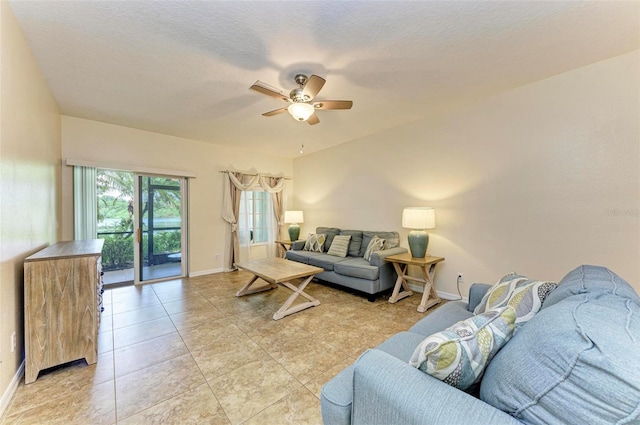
{"x": 427, "y": 265}
{"x": 276, "y": 271}
{"x": 294, "y": 217}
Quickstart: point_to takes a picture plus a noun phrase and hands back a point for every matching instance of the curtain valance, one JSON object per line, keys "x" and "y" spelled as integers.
{"x": 236, "y": 182}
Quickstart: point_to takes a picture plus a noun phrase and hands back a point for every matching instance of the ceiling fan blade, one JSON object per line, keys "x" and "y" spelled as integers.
{"x": 263, "y": 88}
{"x": 275, "y": 112}
{"x": 313, "y": 120}
{"x": 333, "y": 104}
{"x": 312, "y": 86}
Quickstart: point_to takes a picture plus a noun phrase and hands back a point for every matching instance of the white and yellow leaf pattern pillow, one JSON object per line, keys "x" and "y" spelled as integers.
{"x": 459, "y": 355}
{"x": 523, "y": 294}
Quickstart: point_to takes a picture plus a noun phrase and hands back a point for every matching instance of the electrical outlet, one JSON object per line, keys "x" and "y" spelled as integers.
{"x": 460, "y": 277}
{"x": 13, "y": 342}
{"x": 217, "y": 256}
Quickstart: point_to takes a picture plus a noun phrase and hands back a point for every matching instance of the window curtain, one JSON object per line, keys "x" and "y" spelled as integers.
{"x": 278, "y": 215}
{"x": 244, "y": 236}
{"x": 85, "y": 203}
{"x": 234, "y": 183}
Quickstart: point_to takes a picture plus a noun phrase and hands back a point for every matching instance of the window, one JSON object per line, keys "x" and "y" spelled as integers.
{"x": 254, "y": 205}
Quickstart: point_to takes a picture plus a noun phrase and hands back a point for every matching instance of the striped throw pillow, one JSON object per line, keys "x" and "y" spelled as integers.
{"x": 340, "y": 246}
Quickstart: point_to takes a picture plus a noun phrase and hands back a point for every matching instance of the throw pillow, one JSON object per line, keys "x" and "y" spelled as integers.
{"x": 523, "y": 294}
{"x": 376, "y": 244}
{"x": 340, "y": 246}
{"x": 459, "y": 355}
{"x": 314, "y": 242}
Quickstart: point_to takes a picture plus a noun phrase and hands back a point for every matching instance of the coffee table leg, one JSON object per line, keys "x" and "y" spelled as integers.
{"x": 286, "y": 308}
{"x": 246, "y": 291}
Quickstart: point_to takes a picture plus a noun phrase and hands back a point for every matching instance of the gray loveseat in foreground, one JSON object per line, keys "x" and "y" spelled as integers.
{"x": 353, "y": 271}
{"x": 577, "y": 361}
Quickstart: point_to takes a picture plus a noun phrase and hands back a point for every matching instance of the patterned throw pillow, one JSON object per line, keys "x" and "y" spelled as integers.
{"x": 376, "y": 244}
{"x": 459, "y": 355}
{"x": 314, "y": 242}
{"x": 523, "y": 294}
{"x": 340, "y": 246}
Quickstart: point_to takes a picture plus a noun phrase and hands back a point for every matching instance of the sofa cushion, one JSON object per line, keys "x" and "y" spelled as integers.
{"x": 587, "y": 278}
{"x": 315, "y": 242}
{"x": 523, "y": 294}
{"x": 392, "y": 240}
{"x": 375, "y": 244}
{"x": 357, "y": 267}
{"x": 459, "y": 354}
{"x": 576, "y": 360}
{"x": 326, "y": 261}
{"x": 356, "y": 242}
{"x": 330, "y": 233}
{"x": 300, "y": 256}
{"x": 340, "y": 246}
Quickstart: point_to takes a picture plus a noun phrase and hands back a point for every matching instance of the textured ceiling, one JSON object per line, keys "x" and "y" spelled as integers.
{"x": 184, "y": 67}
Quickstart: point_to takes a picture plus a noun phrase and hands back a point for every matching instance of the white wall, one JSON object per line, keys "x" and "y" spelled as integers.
{"x": 537, "y": 180}
{"x": 106, "y": 143}
{"x": 29, "y": 183}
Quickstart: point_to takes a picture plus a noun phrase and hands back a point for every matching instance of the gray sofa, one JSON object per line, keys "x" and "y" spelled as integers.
{"x": 577, "y": 361}
{"x": 353, "y": 271}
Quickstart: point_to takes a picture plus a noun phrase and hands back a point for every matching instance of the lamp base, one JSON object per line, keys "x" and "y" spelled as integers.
{"x": 418, "y": 242}
{"x": 294, "y": 232}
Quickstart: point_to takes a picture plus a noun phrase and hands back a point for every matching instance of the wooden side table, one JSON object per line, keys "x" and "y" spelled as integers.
{"x": 286, "y": 245}
{"x": 401, "y": 263}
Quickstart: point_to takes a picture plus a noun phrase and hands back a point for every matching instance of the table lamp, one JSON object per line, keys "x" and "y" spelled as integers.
{"x": 293, "y": 217}
{"x": 418, "y": 219}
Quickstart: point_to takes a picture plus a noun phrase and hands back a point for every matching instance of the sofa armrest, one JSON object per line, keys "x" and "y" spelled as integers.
{"x": 476, "y": 292}
{"x": 378, "y": 257}
{"x": 388, "y": 391}
{"x": 297, "y": 245}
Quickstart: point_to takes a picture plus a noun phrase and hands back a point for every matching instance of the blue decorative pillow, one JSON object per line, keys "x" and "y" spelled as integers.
{"x": 459, "y": 354}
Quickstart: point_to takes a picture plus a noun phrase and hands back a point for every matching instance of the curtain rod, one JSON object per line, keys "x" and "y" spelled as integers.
{"x": 255, "y": 174}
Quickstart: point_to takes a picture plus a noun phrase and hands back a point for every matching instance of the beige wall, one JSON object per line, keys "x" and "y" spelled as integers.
{"x": 29, "y": 181}
{"x": 95, "y": 141}
{"x": 537, "y": 180}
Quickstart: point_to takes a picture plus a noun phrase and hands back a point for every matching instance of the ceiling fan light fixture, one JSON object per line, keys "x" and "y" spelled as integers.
{"x": 301, "y": 111}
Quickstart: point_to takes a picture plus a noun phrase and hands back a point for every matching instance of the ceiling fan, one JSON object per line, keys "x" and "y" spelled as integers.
{"x": 301, "y": 104}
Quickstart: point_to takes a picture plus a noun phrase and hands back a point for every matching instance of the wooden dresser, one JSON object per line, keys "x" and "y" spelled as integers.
{"x": 62, "y": 305}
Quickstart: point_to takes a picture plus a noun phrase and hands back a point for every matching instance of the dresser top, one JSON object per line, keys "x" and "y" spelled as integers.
{"x": 88, "y": 248}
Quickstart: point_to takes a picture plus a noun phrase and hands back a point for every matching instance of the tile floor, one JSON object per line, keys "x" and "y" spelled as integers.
{"x": 188, "y": 351}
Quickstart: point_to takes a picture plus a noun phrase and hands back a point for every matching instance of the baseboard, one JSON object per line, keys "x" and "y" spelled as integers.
{"x": 205, "y": 272}
{"x": 11, "y": 389}
{"x": 444, "y": 295}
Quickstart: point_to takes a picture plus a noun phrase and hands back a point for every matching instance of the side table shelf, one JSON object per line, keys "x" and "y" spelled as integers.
{"x": 427, "y": 265}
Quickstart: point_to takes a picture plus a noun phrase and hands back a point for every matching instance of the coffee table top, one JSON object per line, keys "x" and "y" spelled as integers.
{"x": 278, "y": 270}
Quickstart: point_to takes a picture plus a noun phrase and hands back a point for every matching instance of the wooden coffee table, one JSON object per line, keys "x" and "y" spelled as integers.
{"x": 276, "y": 271}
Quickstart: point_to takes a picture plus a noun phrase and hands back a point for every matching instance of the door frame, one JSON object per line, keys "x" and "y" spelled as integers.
{"x": 184, "y": 224}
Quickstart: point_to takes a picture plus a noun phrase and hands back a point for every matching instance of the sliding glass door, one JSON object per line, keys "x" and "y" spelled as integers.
{"x": 160, "y": 228}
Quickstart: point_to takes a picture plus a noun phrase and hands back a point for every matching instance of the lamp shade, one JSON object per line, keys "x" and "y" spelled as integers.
{"x": 301, "y": 111}
{"x": 419, "y": 218}
{"x": 293, "y": 217}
